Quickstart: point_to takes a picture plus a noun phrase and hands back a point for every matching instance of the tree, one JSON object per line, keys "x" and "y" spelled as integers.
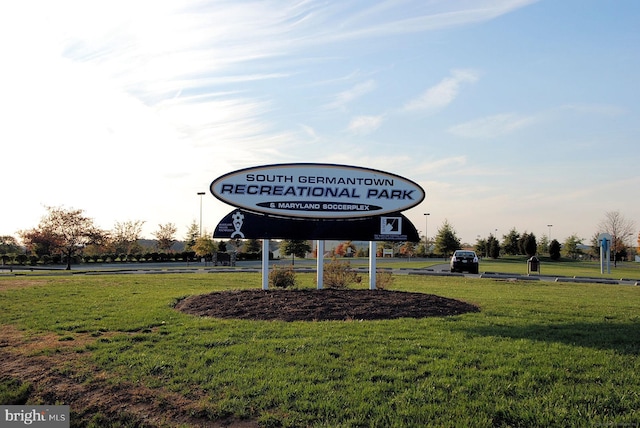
{"x": 481, "y": 247}
{"x": 408, "y": 249}
{"x": 125, "y": 236}
{"x": 39, "y": 242}
{"x": 346, "y": 248}
{"x": 166, "y": 236}
{"x": 253, "y": 246}
{"x": 446, "y": 240}
{"x": 69, "y": 231}
{"x": 543, "y": 245}
{"x": 295, "y": 247}
{"x": 528, "y": 244}
{"x": 594, "y": 247}
{"x": 620, "y": 228}
{"x": 192, "y": 235}
{"x": 510, "y": 243}
{"x": 493, "y": 247}
{"x": 204, "y": 246}
{"x": 554, "y": 250}
{"x": 571, "y": 247}
{"x": 8, "y": 245}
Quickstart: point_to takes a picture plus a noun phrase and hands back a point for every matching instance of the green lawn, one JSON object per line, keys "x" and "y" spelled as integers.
{"x": 518, "y": 265}
{"x": 538, "y": 354}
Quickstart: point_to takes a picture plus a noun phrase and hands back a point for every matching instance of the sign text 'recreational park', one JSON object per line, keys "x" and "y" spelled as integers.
{"x": 317, "y": 190}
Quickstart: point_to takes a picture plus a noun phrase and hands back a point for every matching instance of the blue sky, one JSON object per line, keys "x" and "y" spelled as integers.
{"x": 509, "y": 113}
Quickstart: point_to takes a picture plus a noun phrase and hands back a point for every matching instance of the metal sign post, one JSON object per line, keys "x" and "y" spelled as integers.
{"x": 265, "y": 264}
{"x": 372, "y": 265}
{"x": 320, "y": 263}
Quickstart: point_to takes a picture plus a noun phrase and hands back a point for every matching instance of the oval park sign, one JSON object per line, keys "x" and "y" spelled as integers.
{"x": 313, "y": 190}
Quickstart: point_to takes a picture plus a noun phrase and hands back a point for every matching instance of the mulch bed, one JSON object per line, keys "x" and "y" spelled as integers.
{"x": 322, "y": 305}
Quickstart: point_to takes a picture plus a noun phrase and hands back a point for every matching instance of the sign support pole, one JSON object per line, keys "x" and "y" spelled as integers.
{"x": 320, "y": 267}
{"x": 372, "y": 265}
{"x": 605, "y": 241}
{"x": 265, "y": 264}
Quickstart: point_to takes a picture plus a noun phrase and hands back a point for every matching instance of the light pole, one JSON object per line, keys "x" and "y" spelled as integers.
{"x": 549, "y": 226}
{"x": 201, "y": 194}
{"x": 426, "y": 234}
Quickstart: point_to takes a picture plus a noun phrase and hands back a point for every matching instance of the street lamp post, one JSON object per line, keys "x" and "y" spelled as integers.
{"x": 549, "y": 236}
{"x": 426, "y": 234}
{"x": 201, "y": 194}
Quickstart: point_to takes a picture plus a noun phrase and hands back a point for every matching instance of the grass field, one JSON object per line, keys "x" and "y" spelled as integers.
{"x": 518, "y": 265}
{"x": 538, "y": 354}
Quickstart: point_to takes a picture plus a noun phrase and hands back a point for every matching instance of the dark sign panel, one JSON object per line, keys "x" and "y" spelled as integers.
{"x": 241, "y": 224}
{"x": 317, "y": 191}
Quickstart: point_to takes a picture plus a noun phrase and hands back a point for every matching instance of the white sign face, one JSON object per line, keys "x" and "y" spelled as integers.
{"x": 313, "y": 190}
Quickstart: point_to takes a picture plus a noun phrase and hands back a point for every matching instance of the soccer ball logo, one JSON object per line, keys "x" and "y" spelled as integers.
{"x": 238, "y": 219}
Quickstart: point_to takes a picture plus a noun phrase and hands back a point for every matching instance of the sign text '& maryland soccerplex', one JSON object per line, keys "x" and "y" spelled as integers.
{"x": 317, "y": 191}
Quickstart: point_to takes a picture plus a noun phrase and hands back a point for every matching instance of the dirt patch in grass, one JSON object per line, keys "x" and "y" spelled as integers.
{"x": 322, "y": 305}
{"x": 15, "y": 284}
{"x": 58, "y": 372}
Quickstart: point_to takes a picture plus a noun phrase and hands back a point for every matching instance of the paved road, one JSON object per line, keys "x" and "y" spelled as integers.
{"x": 302, "y": 265}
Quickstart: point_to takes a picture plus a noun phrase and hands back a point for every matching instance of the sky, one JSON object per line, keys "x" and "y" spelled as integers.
{"x": 509, "y": 113}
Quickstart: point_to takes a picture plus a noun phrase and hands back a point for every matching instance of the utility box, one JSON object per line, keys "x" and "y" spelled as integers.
{"x": 533, "y": 265}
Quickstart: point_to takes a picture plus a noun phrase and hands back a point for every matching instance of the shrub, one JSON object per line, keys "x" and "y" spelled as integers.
{"x": 282, "y": 277}
{"x": 339, "y": 274}
{"x": 383, "y": 279}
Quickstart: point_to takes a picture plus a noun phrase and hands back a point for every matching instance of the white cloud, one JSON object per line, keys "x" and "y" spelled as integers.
{"x": 413, "y": 17}
{"x": 345, "y": 97}
{"x": 363, "y": 125}
{"x": 492, "y": 126}
{"x": 444, "y": 93}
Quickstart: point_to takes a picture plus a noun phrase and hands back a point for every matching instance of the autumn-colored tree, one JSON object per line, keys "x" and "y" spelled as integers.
{"x": 39, "y": 242}
{"x": 346, "y": 248}
{"x": 166, "y": 236}
{"x": 125, "y": 236}
{"x": 408, "y": 249}
{"x": 204, "y": 246}
{"x": 65, "y": 230}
